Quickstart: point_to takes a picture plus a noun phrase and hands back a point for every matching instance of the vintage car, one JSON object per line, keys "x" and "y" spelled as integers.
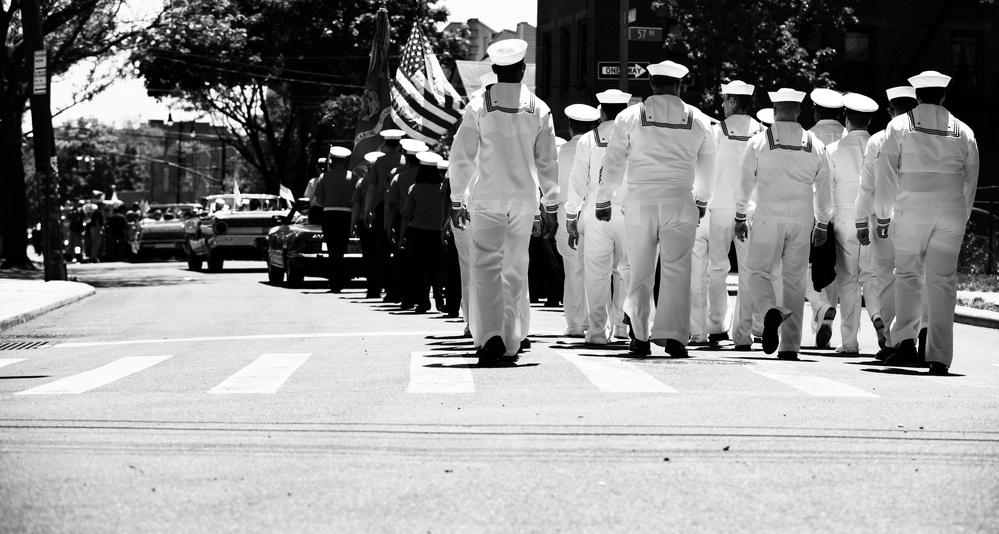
{"x": 160, "y": 233}
{"x": 231, "y": 231}
{"x": 296, "y": 249}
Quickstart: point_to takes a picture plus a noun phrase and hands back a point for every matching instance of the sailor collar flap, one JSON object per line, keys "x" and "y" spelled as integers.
{"x": 953, "y": 129}
{"x": 658, "y": 115}
{"x": 732, "y": 136}
{"x": 501, "y": 99}
{"x": 774, "y": 140}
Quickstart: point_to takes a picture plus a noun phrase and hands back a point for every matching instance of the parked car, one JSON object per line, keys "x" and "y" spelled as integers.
{"x": 295, "y": 249}
{"x": 231, "y": 231}
{"x": 161, "y": 232}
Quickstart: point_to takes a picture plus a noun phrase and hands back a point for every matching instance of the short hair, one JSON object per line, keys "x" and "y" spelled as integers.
{"x": 664, "y": 81}
{"x": 513, "y": 71}
{"x": 824, "y": 113}
{"x": 742, "y": 102}
{"x": 859, "y": 118}
{"x": 612, "y": 110}
{"x": 903, "y": 104}
{"x": 581, "y": 126}
{"x": 931, "y": 95}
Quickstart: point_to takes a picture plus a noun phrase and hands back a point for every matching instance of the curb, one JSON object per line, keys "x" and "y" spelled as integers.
{"x": 83, "y": 291}
{"x": 976, "y": 317}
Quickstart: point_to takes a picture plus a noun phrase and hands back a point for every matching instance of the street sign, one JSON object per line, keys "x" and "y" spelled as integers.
{"x": 641, "y": 33}
{"x": 609, "y": 70}
{"x": 632, "y": 15}
{"x": 39, "y": 83}
{"x": 40, "y": 59}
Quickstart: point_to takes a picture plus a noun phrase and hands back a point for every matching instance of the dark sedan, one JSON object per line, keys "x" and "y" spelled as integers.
{"x": 296, "y": 249}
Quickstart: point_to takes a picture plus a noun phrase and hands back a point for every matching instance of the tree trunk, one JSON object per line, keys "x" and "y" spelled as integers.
{"x": 13, "y": 196}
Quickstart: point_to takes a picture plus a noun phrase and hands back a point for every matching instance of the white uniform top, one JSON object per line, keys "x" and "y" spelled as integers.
{"x": 788, "y": 169}
{"x": 668, "y": 149}
{"x": 865, "y": 199}
{"x": 310, "y": 191}
{"x": 846, "y": 158}
{"x": 929, "y": 160}
{"x": 585, "y": 175}
{"x": 732, "y": 136}
{"x": 828, "y": 131}
{"x": 566, "y": 155}
{"x": 511, "y": 132}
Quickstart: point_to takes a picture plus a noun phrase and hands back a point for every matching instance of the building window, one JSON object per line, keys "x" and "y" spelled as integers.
{"x": 583, "y": 68}
{"x": 857, "y": 46}
{"x": 964, "y": 60}
{"x": 547, "y": 65}
{"x": 564, "y": 79}
{"x": 474, "y": 33}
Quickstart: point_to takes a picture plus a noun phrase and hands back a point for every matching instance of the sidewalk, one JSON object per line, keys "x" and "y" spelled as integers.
{"x": 23, "y": 300}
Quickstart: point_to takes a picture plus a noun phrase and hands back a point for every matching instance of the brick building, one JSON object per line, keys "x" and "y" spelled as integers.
{"x": 889, "y": 43}
{"x": 481, "y": 36}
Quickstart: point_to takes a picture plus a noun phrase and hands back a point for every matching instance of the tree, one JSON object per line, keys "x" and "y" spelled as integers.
{"x": 273, "y": 72}
{"x": 75, "y": 31}
{"x": 757, "y": 40}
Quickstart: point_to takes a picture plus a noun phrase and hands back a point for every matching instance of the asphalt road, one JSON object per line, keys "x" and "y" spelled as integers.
{"x": 176, "y": 401}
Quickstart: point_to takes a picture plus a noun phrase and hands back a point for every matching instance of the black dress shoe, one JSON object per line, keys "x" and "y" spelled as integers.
{"x": 525, "y": 344}
{"x": 714, "y": 338}
{"x": 939, "y": 369}
{"x": 884, "y": 353}
{"x": 743, "y": 348}
{"x": 639, "y": 348}
{"x": 420, "y": 310}
{"x": 787, "y": 355}
{"x": 905, "y": 355}
{"x": 771, "y": 330}
{"x": 373, "y": 295}
{"x": 921, "y": 346}
{"x": 506, "y": 361}
{"x": 452, "y": 315}
{"x": 491, "y": 351}
{"x": 405, "y": 305}
{"x": 676, "y": 349}
{"x": 824, "y": 334}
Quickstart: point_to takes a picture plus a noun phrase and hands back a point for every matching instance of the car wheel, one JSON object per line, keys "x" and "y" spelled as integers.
{"x": 215, "y": 262}
{"x": 274, "y": 275}
{"x": 295, "y": 278}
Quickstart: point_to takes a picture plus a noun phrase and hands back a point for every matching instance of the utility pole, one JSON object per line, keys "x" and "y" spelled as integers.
{"x": 179, "y": 162}
{"x": 45, "y": 160}
{"x": 623, "y": 50}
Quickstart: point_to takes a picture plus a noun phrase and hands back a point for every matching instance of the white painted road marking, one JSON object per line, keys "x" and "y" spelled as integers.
{"x": 8, "y": 361}
{"x": 265, "y": 375}
{"x": 249, "y": 338}
{"x": 98, "y": 377}
{"x": 612, "y": 375}
{"x": 815, "y": 385}
{"x": 442, "y": 376}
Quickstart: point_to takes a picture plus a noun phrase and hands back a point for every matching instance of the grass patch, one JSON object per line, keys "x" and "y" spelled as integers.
{"x": 979, "y": 304}
{"x": 978, "y": 282}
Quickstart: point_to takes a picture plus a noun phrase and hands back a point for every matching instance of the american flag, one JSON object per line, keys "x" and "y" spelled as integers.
{"x": 424, "y": 105}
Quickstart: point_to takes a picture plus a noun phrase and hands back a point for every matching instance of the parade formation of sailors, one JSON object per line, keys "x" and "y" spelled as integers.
{"x": 658, "y": 185}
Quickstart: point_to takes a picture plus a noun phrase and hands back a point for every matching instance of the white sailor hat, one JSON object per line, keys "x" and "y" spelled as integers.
{"x": 370, "y": 157}
{"x": 393, "y": 134}
{"x": 339, "y": 152}
{"x": 668, "y": 68}
{"x": 507, "y": 51}
{"x": 582, "y": 112}
{"x": 559, "y": 141}
{"x": 786, "y": 95}
{"x": 321, "y": 161}
{"x": 413, "y": 146}
{"x": 930, "y": 78}
{"x": 860, "y": 103}
{"x": 613, "y": 96}
{"x": 766, "y": 115}
{"x": 902, "y": 91}
{"x": 443, "y": 164}
{"x": 488, "y": 79}
{"x": 826, "y": 98}
{"x": 737, "y": 87}
{"x": 429, "y": 158}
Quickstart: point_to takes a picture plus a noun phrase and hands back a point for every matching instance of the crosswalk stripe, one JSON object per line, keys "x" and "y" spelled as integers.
{"x": 265, "y": 375}
{"x": 431, "y": 372}
{"x": 96, "y": 378}
{"x": 612, "y": 375}
{"x": 815, "y": 385}
{"x": 8, "y": 361}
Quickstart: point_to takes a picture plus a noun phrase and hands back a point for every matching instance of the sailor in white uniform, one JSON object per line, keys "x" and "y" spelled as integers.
{"x": 788, "y": 170}
{"x": 582, "y": 120}
{"x": 732, "y": 136}
{"x": 507, "y": 137}
{"x": 925, "y": 183}
{"x": 668, "y": 149}
{"x": 826, "y": 109}
{"x": 846, "y": 158}
{"x": 606, "y": 255}
{"x": 881, "y": 251}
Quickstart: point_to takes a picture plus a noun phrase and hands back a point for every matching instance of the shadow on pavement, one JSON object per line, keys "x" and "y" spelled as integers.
{"x": 477, "y": 366}
{"x": 22, "y": 377}
{"x": 905, "y": 372}
{"x": 770, "y": 359}
{"x": 136, "y": 282}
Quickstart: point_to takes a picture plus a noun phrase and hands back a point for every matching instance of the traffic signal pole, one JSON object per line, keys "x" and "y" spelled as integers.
{"x": 623, "y": 51}
{"x": 46, "y": 167}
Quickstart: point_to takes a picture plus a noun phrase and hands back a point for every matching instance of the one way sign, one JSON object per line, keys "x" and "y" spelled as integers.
{"x": 608, "y": 70}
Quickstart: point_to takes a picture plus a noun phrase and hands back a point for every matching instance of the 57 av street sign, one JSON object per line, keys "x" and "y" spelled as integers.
{"x": 608, "y": 70}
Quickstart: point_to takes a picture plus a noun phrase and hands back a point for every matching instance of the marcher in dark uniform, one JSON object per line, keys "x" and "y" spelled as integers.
{"x": 117, "y": 232}
{"x": 452, "y": 261}
{"x": 395, "y": 199}
{"x": 420, "y": 233}
{"x": 333, "y": 192}
{"x": 374, "y": 208}
{"x": 369, "y": 249}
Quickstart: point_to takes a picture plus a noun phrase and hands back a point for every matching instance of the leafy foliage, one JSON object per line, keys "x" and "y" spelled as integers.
{"x": 758, "y": 41}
